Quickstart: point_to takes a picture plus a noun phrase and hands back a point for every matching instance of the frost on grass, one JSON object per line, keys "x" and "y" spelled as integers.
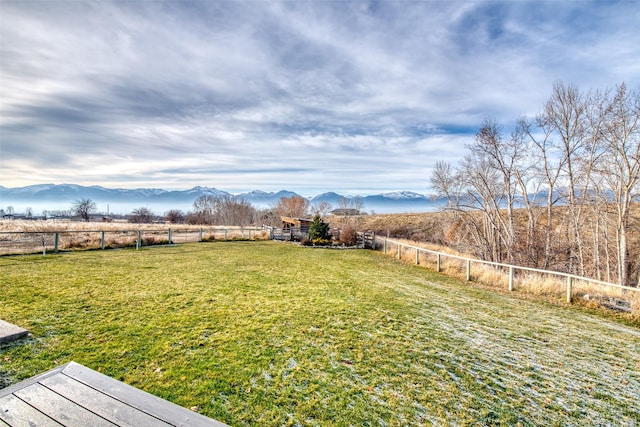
{"x": 351, "y": 339}
{"x": 528, "y": 364}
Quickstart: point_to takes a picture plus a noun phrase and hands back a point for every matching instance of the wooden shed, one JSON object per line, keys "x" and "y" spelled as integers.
{"x": 301, "y": 224}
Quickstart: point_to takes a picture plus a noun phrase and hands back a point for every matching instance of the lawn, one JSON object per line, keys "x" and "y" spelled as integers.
{"x": 270, "y": 334}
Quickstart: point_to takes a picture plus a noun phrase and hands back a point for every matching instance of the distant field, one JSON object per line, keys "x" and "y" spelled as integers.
{"x": 29, "y": 237}
{"x": 267, "y": 333}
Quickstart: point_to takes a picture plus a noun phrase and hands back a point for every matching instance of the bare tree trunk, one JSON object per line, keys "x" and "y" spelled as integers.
{"x": 566, "y": 113}
{"x": 620, "y": 166}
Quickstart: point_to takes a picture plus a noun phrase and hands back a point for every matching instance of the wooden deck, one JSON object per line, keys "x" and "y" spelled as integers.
{"x": 74, "y": 395}
{"x": 10, "y": 332}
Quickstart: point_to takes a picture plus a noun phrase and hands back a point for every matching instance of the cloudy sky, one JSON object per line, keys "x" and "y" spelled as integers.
{"x": 356, "y": 97}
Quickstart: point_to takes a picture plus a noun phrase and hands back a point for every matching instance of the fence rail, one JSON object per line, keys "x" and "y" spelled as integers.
{"x": 25, "y": 242}
{"x": 385, "y": 244}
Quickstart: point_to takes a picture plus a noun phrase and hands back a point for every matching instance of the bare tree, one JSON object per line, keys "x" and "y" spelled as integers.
{"x": 620, "y": 166}
{"x": 357, "y": 204}
{"x": 322, "y": 208}
{"x": 232, "y": 211}
{"x": 141, "y": 215}
{"x": 204, "y": 210}
{"x": 293, "y": 207}
{"x": 548, "y": 164}
{"x": 446, "y": 183}
{"x": 175, "y": 216}
{"x": 222, "y": 210}
{"x": 83, "y": 208}
{"x": 502, "y": 157}
{"x": 483, "y": 193}
{"x": 581, "y": 154}
{"x": 566, "y": 112}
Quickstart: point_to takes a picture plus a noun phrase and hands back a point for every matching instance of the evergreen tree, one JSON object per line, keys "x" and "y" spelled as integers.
{"x": 318, "y": 229}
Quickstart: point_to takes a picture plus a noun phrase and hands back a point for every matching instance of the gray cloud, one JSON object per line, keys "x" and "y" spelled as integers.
{"x": 358, "y": 96}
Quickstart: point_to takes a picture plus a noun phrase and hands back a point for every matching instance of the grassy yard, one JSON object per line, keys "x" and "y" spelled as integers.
{"x": 264, "y": 333}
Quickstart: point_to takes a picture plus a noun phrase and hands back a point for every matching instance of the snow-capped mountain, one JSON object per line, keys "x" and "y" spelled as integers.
{"x": 403, "y": 195}
{"x": 264, "y": 199}
{"x": 60, "y": 197}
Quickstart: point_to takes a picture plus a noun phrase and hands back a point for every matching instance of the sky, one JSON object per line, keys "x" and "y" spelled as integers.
{"x": 356, "y": 97}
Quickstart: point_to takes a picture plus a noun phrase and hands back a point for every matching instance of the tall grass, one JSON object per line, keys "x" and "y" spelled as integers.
{"x": 544, "y": 286}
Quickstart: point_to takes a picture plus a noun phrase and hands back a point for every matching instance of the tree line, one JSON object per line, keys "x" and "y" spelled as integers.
{"x": 225, "y": 210}
{"x": 558, "y": 191}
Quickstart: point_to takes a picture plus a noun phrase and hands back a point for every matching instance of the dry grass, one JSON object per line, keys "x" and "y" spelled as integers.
{"x": 24, "y": 237}
{"x": 529, "y": 284}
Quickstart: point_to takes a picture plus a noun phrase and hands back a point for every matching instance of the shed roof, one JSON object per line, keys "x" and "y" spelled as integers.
{"x": 296, "y": 221}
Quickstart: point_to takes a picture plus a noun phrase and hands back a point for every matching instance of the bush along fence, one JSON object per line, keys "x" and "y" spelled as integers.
{"x": 541, "y": 281}
{"x": 21, "y": 242}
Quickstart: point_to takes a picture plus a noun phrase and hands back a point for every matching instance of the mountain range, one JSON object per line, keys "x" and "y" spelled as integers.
{"x": 108, "y": 200}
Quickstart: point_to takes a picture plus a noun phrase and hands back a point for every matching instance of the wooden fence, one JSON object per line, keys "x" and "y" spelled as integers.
{"x": 26, "y": 242}
{"x": 21, "y": 242}
{"x": 400, "y": 250}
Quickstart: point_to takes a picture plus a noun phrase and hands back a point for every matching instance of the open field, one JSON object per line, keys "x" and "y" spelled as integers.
{"x": 266, "y": 333}
{"x": 28, "y": 237}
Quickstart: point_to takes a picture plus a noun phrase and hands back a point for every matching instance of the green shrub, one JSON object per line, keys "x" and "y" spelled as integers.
{"x": 318, "y": 229}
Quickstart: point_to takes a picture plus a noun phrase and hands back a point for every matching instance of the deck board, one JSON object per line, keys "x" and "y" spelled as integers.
{"x": 59, "y": 408}
{"x": 103, "y": 405}
{"x": 10, "y": 332}
{"x": 74, "y": 395}
{"x": 16, "y": 413}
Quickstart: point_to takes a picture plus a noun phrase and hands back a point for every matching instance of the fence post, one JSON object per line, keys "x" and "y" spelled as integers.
{"x": 417, "y": 257}
{"x": 468, "y": 270}
{"x": 201, "y": 234}
{"x": 55, "y": 242}
{"x": 569, "y": 285}
{"x": 399, "y": 249}
{"x": 225, "y": 234}
{"x": 169, "y": 235}
{"x": 510, "y": 278}
{"x": 102, "y": 241}
{"x": 438, "y": 263}
{"x": 385, "y": 245}
{"x": 138, "y": 240}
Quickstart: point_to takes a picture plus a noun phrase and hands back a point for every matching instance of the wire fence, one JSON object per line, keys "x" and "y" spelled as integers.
{"x": 29, "y": 242}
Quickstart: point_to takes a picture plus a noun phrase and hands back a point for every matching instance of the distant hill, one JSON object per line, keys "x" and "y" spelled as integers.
{"x": 118, "y": 200}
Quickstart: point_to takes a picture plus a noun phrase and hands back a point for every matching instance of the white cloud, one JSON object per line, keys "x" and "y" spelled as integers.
{"x": 326, "y": 95}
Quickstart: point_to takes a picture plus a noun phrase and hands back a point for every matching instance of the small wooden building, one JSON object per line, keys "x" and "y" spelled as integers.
{"x": 301, "y": 224}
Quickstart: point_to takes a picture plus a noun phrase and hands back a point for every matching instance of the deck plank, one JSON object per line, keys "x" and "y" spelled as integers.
{"x": 16, "y": 413}
{"x": 106, "y": 406}
{"x": 75, "y": 395}
{"x": 57, "y": 407}
{"x": 10, "y": 332}
{"x": 139, "y": 399}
